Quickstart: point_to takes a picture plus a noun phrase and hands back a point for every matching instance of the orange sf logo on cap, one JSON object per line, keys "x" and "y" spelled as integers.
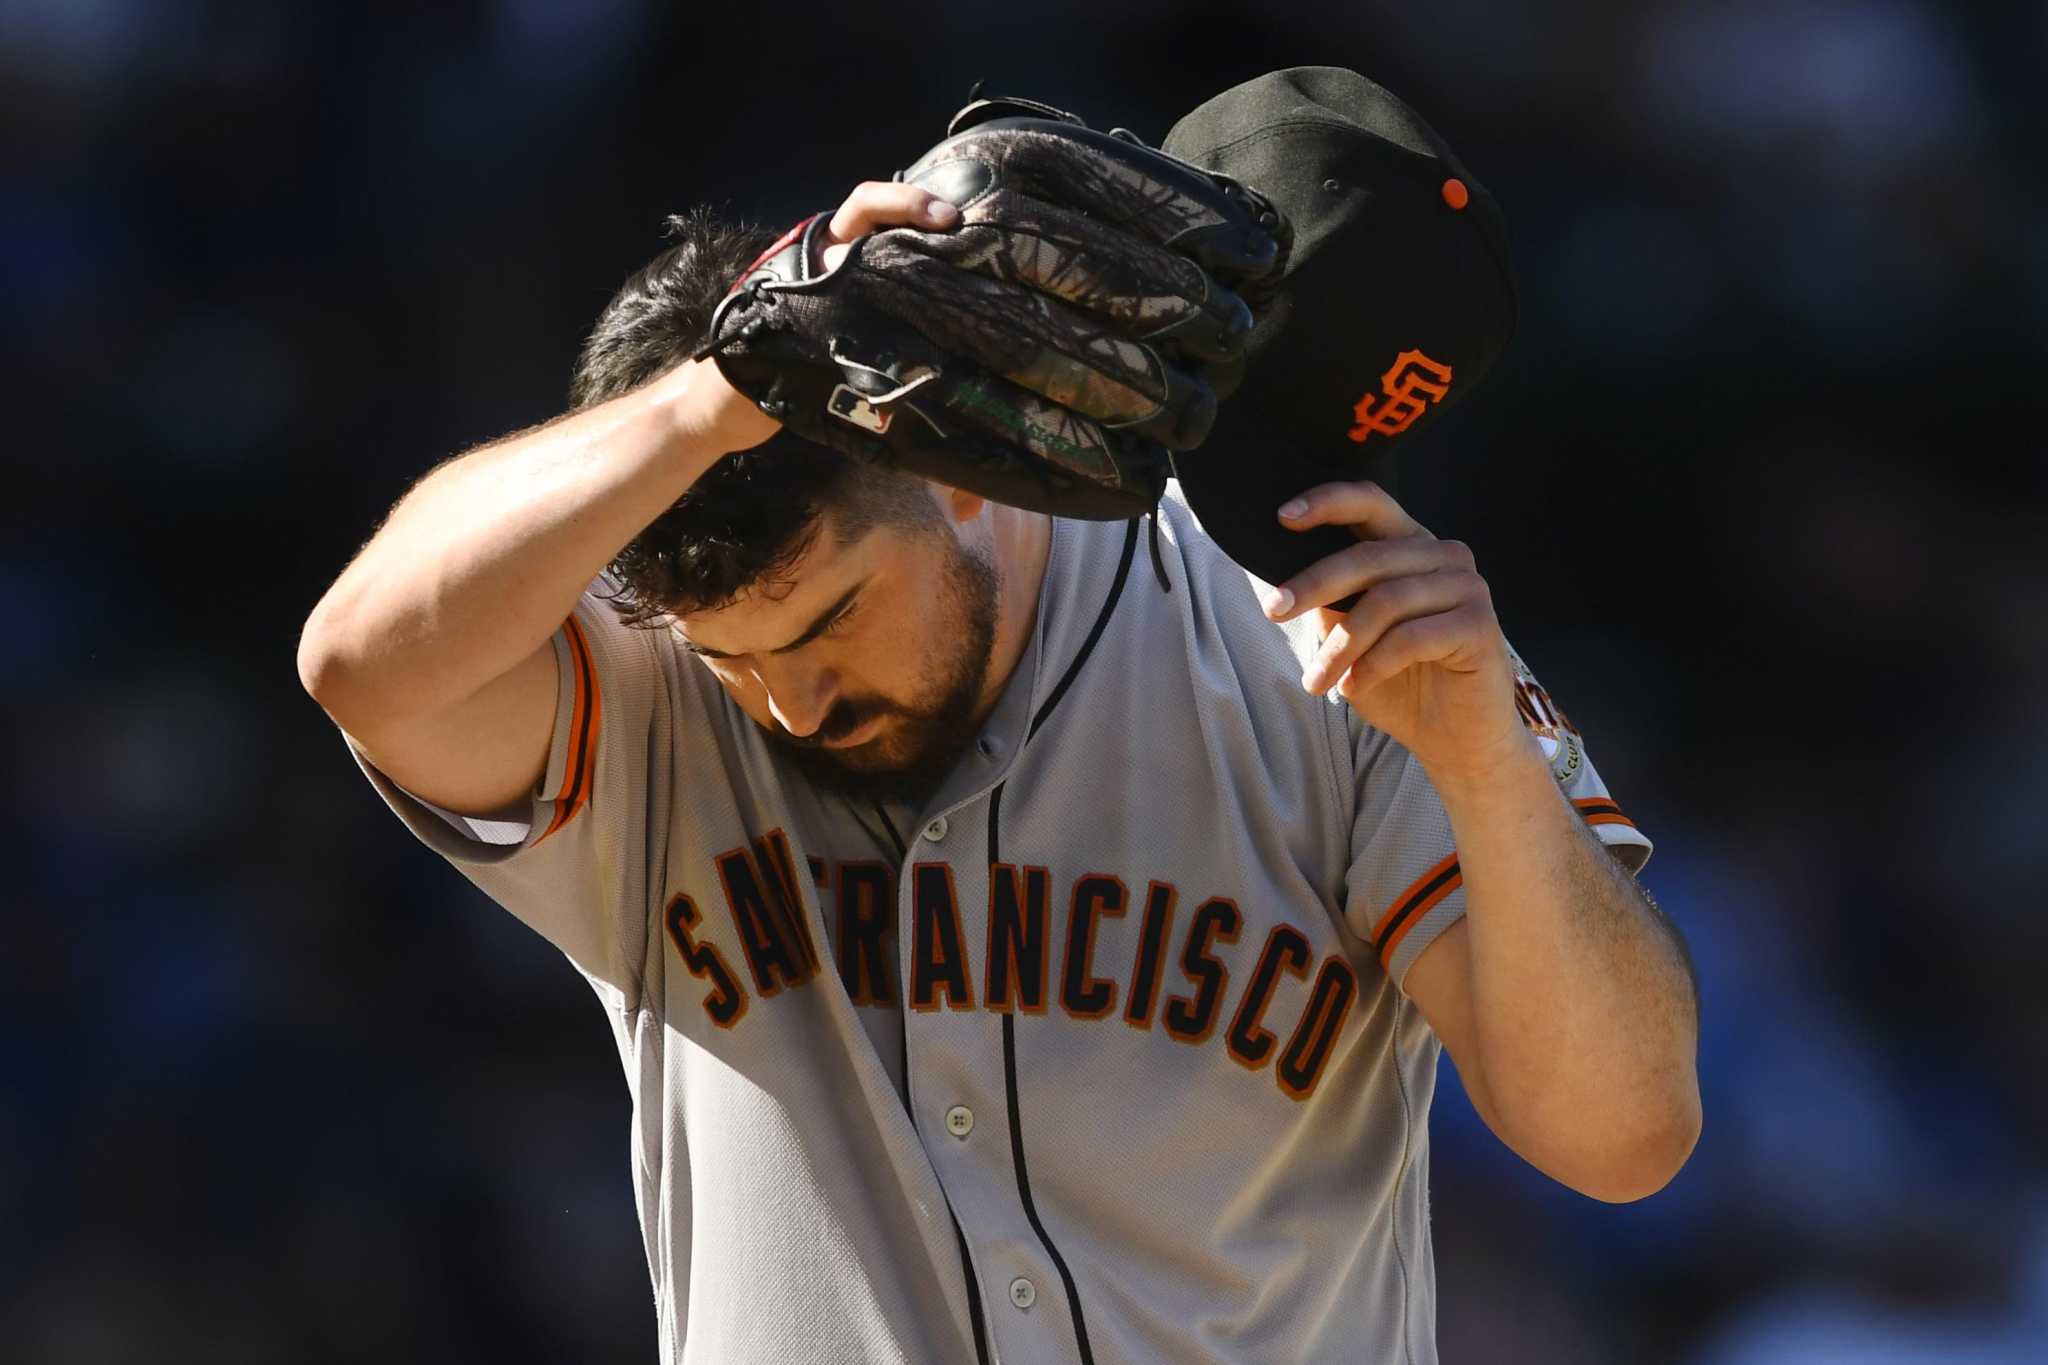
{"x": 1410, "y": 385}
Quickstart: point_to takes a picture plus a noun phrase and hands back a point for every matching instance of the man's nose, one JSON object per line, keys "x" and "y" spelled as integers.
{"x": 800, "y": 703}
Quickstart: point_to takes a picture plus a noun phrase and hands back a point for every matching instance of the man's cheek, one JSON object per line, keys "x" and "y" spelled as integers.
{"x": 884, "y": 670}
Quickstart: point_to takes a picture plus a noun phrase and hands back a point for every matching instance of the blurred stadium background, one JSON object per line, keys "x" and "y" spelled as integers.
{"x": 1759, "y": 487}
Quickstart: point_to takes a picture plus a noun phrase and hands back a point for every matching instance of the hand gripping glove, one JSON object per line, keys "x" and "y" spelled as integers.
{"x": 1051, "y": 350}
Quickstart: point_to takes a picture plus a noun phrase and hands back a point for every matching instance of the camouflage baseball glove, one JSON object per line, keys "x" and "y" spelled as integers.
{"x": 1048, "y": 352}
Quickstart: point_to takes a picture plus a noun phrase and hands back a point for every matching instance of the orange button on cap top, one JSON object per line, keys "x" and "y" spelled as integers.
{"x": 1455, "y": 194}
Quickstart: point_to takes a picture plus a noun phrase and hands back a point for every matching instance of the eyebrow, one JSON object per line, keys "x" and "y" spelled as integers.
{"x": 811, "y": 632}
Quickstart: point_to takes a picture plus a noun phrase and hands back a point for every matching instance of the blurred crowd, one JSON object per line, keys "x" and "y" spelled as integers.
{"x": 1758, "y": 486}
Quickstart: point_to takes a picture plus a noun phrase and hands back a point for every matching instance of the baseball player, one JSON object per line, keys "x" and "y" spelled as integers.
{"x": 1028, "y": 937}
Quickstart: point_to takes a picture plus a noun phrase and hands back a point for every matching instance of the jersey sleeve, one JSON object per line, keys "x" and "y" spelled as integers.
{"x": 1404, "y": 887}
{"x": 1565, "y": 747}
{"x": 574, "y": 863}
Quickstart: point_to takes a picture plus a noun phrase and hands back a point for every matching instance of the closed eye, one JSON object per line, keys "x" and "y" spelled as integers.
{"x": 828, "y": 622}
{"x": 838, "y": 623}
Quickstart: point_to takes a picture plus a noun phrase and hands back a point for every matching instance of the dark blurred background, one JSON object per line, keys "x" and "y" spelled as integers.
{"x": 1759, "y": 487}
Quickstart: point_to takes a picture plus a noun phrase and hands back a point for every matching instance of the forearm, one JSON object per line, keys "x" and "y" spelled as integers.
{"x": 1583, "y": 1008}
{"x": 479, "y": 563}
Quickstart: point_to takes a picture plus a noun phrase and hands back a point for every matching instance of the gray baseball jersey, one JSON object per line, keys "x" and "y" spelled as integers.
{"x": 1102, "y": 1056}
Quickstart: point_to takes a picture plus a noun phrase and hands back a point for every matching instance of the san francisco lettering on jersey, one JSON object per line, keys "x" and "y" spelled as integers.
{"x": 1179, "y": 977}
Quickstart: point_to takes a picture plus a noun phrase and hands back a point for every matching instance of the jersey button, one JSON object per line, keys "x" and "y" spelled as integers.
{"x": 959, "y": 1120}
{"x": 936, "y": 830}
{"x": 989, "y": 746}
{"x": 1023, "y": 1293}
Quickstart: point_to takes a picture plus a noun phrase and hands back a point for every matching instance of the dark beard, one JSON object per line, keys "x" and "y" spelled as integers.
{"x": 928, "y": 742}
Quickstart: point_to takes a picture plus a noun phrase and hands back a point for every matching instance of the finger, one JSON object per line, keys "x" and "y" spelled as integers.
{"x": 1149, "y": 292}
{"x": 1042, "y": 343}
{"x": 884, "y": 203}
{"x": 1369, "y": 510}
{"x": 1360, "y": 567}
{"x": 1134, "y": 189}
{"x": 1377, "y": 613}
{"x": 1179, "y": 417}
{"x": 1020, "y": 418}
{"x": 1425, "y": 640}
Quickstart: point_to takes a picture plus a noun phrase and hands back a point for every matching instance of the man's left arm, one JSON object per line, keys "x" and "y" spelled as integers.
{"x": 1564, "y": 996}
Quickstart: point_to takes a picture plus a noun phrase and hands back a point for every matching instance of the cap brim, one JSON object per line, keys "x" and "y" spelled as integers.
{"x": 1241, "y": 509}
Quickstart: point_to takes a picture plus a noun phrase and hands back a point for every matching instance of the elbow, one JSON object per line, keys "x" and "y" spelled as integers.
{"x": 322, "y": 663}
{"x": 316, "y": 668}
{"x": 1650, "y": 1157}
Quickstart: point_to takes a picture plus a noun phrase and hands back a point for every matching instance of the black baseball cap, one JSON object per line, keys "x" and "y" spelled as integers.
{"x": 1397, "y": 298}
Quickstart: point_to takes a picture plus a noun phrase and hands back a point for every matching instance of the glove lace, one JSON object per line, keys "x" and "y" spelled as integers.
{"x": 715, "y": 345}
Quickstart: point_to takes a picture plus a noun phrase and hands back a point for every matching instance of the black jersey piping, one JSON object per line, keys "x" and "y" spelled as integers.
{"x": 882, "y": 814}
{"x": 903, "y": 1033}
{"x": 973, "y": 1290}
{"x": 903, "y": 1041}
{"x": 1116, "y": 591}
{"x": 995, "y": 806}
{"x": 1407, "y": 908}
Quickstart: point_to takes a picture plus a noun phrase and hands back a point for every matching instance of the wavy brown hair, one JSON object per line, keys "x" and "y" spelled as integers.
{"x": 752, "y": 515}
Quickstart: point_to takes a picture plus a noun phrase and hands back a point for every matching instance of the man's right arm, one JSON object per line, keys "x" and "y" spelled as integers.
{"x": 431, "y": 651}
